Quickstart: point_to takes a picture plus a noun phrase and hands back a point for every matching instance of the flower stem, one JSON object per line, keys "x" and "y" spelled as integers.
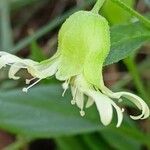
{"x": 132, "y": 12}
{"x": 98, "y": 6}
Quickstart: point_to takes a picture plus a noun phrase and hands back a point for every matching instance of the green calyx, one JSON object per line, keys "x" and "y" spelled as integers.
{"x": 84, "y": 43}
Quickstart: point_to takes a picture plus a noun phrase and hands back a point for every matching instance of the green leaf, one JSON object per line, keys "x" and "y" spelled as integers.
{"x": 43, "y": 113}
{"x": 6, "y": 40}
{"x": 95, "y": 142}
{"x": 120, "y": 141}
{"x": 125, "y": 40}
{"x": 69, "y": 143}
{"x": 36, "y": 52}
{"x": 126, "y": 138}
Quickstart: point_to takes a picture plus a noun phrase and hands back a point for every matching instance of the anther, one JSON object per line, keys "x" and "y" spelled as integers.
{"x": 82, "y": 113}
{"x": 122, "y": 109}
{"x": 25, "y": 90}
{"x": 120, "y": 100}
{"x": 73, "y": 102}
{"x": 29, "y": 80}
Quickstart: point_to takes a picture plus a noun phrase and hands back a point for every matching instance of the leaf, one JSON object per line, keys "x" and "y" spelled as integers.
{"x": 6, "y": 40}
{"x": 120, "y": 141}
{"x": 126, "y": 138}
{"x": 125, "y": 40}
{"x": 36, "y": 52}
{"x": 43, "y": 113}
{"x": 69, "y": 143}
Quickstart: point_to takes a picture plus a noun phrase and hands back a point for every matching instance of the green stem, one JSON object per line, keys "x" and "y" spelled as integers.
{"x": 19, "y": 144}
{"x": 130, "y": 63}
{"x": 132, "y": 12}
{"x": 98, "y": 6}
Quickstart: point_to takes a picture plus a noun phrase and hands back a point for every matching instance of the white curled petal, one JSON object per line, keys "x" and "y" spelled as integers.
{"x": 103, "y": 105}
{"x": 139, "y": 103}
{"x": 3, "y": 53}
{"x": 9, "y": 58}
{"x": 119, "y": 113}
{"x": 89, "y": 103}
{"x": 13, "y": 70}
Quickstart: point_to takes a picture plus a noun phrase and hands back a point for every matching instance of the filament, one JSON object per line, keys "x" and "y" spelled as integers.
{"x": 26, "y": 89}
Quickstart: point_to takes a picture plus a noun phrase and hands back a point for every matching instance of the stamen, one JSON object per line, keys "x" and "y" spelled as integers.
{"x": 120, "y": 100}
{"x": 26, "y": 89}
{"x": 73, "y": 102}
{"x": 82, "y": 113}
{"x": 75, "y": 93}
{"x": 122, "y": 109}
{"x": 29, "y": 80}
{"x": 65, "y": 86}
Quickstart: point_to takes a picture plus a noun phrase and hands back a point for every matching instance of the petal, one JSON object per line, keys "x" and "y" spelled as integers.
{"x": 2, "y": 63}
{"x": 13, "y": 70}
{"x": 119, "y": 113}
{"x": 103, "y": 105}
{"x": 89, "y": 103}
{"x": 138, "y": 102}
{"x": 40, "y": 70}
{"x": 9, "y": 58}
{"x": 45, "y": 68}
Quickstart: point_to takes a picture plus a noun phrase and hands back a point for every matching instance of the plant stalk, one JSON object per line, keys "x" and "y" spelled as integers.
{"x": 98, "y": 6}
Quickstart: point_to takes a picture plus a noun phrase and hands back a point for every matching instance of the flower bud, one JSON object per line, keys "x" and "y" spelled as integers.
{"x": 84, "y": 43}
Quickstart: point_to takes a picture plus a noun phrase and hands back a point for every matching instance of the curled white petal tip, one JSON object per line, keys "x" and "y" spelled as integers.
{"x": 134, "y": 99}
{"x": 139, "y": 103}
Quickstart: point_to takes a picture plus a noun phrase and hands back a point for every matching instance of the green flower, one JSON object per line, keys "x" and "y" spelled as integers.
{"x": 83, "y": 45}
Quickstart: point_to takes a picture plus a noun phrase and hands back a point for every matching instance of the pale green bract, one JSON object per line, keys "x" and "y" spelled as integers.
{"x": 83, "y": 45}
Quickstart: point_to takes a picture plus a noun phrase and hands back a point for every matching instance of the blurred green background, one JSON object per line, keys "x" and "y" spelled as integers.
{"x": 42, "y": 119}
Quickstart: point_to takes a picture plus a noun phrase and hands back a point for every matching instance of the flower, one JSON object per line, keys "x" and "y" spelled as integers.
{"x": 83, "y": 45}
